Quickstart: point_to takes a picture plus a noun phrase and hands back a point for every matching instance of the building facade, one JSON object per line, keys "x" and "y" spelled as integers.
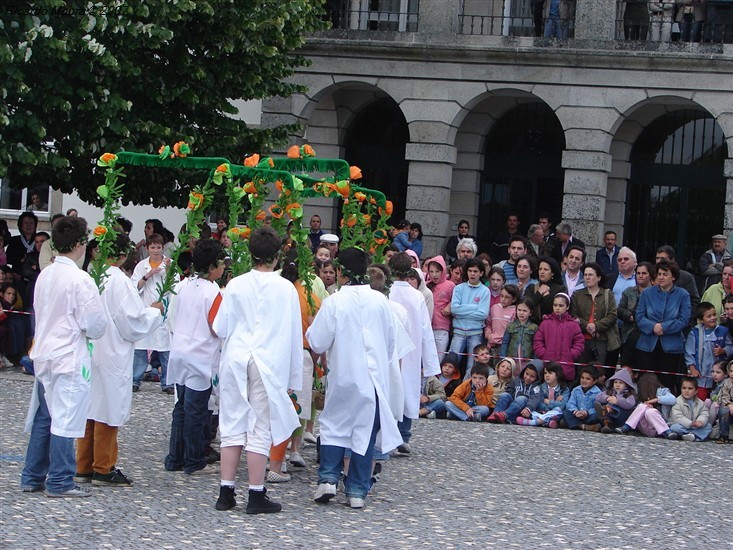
{"x": 464, "y": 109}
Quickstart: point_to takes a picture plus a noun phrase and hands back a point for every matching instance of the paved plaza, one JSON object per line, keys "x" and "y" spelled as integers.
{"x": 465, "y": 485}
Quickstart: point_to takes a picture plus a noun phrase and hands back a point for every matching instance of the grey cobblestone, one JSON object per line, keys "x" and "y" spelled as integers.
{"x": 466, "y": 485}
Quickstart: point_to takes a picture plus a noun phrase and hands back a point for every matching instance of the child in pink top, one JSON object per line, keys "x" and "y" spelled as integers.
{"x": 442, "y": 288}
{"x": 500, "y": 315}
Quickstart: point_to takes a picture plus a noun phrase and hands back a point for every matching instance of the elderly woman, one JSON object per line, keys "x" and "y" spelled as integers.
{"x": 662, "y": 314}
{"x": 645, "y": 274}
{"x": 595, "y": 308}
{"x": 543, "y": 291}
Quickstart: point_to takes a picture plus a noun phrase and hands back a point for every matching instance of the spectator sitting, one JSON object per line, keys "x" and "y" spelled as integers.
{"x": 580, "y": 412}
{"x": 432, "y": 397}
{"x": 554, "y": 395}
{"x": 711, "y": 262}
{"x": 521, "y": 396}
{"x": 706, "y": 344}
{"x": 689, "y": 416}
{"x": 472, "y": 399}
{"x": 614, "y": 405}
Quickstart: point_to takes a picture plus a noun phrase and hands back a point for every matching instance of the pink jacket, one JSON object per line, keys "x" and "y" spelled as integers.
{"x": 442, "y": 294}
{"x": 559, "y": 339}
{"x": 499, "y": 318}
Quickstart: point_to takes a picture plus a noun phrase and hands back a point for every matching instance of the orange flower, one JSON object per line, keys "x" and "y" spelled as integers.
{"x": 276, "y": 211}
{"x": 350, "y": 220}
{"x": 181, "y": 149}
{"x": 221, "y": 168}
{"x": 308, "y": 151}
{"x": 361, "y": 197}
{"x": 318, "y": 187}
{"x": 252, "y": 161}
{"x": 372, "y": 200}
{"x": 109, "y": 157}
{"x": 387, "y": 211}
{"x": 195, "y": 200}
{"x": 279, "y": 185}
{"x": 260, "y": 216}
{"x": 99, "y": 231}
{"x": 271, "y": 162}
{"x": 367, "y": 219}
{"x": 250, "y": 188}
{"x": 354, "y": 172}
{"x": 245, "y": 232}
{"x": 294, "y": 152}
{"x": 342, "y": 188}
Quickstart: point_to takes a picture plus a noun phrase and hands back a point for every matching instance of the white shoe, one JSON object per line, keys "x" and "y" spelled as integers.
{"x": 325, "y": 492}
{"x": 688, "y": 437}
{"x": 6, "y": 362}
{"x": 431, "y": 415}
{"x": 274, "y": 477}
{"x": 355, "y": 502}
{"x": 309, "y": 438}
{"x": 297, "y": 460}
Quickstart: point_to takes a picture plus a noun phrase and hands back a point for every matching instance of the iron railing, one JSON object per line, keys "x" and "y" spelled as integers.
{"x": 516, "y": 18}
{"x": 373, "y": 15}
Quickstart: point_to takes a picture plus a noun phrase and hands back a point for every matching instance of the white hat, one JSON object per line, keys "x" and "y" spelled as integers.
{"x": 329, "y": 238}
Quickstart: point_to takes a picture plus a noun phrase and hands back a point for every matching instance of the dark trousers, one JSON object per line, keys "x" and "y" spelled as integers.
{"x": 660, "y": 361}
{"x": 190, "y": 416}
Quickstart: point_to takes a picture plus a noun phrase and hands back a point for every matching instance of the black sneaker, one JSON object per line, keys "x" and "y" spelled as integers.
{"x": 169, "y": 390}
{"x": 260, "y": 503}
{"x": 83, "y": 478}
{"x": 212, "y": 456}
{"x": 672, "y": 435}
{"x": 135, "y": 389}
{"x": 226, "y": 498}
{"x": 113, "y": 479}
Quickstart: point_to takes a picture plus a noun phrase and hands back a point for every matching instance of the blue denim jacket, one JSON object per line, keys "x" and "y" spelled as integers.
{"x": 583, "y": 401}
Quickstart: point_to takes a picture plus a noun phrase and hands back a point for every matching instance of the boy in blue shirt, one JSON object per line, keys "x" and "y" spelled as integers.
{"x": 706, "y": 344}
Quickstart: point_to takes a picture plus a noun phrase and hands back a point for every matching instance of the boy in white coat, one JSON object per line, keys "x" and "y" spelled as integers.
{"x": 127, "y": 321}
{"x": 69, "y": 311}
{"x": 261, "y": 359}
{"x": 355, "y": 326}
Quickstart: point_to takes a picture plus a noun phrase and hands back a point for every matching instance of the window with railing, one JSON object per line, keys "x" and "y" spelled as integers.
{"x": 373, "y": 15}
{"x": 548, "y": 18}
{"x": 680, "y": 21}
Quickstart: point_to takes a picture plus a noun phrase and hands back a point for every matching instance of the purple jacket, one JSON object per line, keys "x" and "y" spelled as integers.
{"x": 559, "y": 339}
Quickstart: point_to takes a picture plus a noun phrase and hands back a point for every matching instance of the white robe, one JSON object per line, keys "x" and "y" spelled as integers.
{"x": 259, "y": 318}
{"x": 127, "y": 321}
{"x": 403, "y": 346}
{"x": 69, "y": 311}
{"x": 195, "y": 351}
{"x": 157, "y": 339}
{"x": 355, "y": 326}
{"x": 423, "y": 360}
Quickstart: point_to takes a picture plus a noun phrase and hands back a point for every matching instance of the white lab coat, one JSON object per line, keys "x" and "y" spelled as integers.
{"x": 259, "y": 318}
{"x": 157, "y": 339}
{"x": 127, "y": 321}
{"x": 403, "y": 345}
{"x": 424, "y": 356}
{"x": 195, "y": 351}
{"x": 355, "y": 326}
{"x": 68, "y": 310}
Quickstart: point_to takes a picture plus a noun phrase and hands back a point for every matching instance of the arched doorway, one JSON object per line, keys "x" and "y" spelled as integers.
{"x": 676, "y": 191}
{"x": 375, "y": 142}
{"x": 522, "y": 170}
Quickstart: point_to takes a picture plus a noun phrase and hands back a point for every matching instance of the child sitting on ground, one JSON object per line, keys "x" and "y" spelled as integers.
{"x": 500, "y": 315}
{"x": 725, "y": 404}
{"x": 614, "y": 405}
{"x": 650, "y": 415}
{"x": 521, "y": 396}
{"x": 472, "y": 399}
{"x": 482, "y": 354}
{"x": 706, "y": 344}
{"x": 554, "y": 395}
{"x": 501, "y": 379}
{"x": 580, "y": 412}
{"x": 719, "y": 375}
{"x": 432, "y": 397}
{"x": 8, "y": 296}
{"x": 519, "y": 334}
{"x": 689, "y": 417}
{"x": 450, "y": 373}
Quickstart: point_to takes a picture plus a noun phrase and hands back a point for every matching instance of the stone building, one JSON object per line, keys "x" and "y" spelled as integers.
{"x": 456, "y": 109}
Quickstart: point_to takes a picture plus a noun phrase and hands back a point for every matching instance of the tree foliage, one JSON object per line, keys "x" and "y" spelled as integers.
{"x": 79, "y": 79}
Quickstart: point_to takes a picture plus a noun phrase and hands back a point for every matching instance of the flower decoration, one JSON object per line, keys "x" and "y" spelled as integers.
{"x": 387, "y": 210}
{"x": 354, "y": 172}
{"x": 250, "y": 188}
{"x": 343, "y": 188}
{"x": 307, "y": 151}
{"x": 107, "y": 160}
{"x": 361, "y": 197}
{"x": 99, "y": 232}
{"x": 367, "y": 219}
{"x": 380, "y": 236}
{"x": 222, "y": 171}
{"x": 164, "y": 152}
{"x": 276, "y": 211}
{"x": 252, "y": 161}
{"x": 195, "y": 200}
{"x": 239, "y": 233}
{"x": 266, "y": 163}
{"x": 294, "y": 210}
{"x": 294, "y": 152}
{"x": 349, "y": 220}
{"x": 181, "y": 149}
{"x": 261, "y": 216}
{"x": 279, "y": 185}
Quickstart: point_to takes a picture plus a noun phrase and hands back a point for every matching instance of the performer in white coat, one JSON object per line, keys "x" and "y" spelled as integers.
{"x": 355, "y": 326}
{"x": 69, "y": 311}
{"x": 128, "y": 320}
{"x": 423, "y": 360}
{"x": 259, "y": 320}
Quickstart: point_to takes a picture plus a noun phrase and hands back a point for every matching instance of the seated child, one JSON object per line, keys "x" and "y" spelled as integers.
{"x": 8, "y": 296}
{"x": 689, "y": 417}
{"x": 650, "y": 415}
{"x": 432, "y": 397}
{"x": 450, "y": 373}
{"x": 472, "y": 399}
{"x": 501, "y": 379}
{"x": 725, "y": 406}
{"x": 554, "y": 395}
{"x": 706, "y": 344}
{"x": 521, "y": 396}
{"x": 500, "y": 315}
{"x": 519, "y": 334}
{"x": 614, "y": 405}
{"x": 481, "y": 354}
{"x": 580, "y": 412}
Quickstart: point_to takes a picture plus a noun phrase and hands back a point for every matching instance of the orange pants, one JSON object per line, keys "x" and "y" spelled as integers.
{"x": 97, "y": 450}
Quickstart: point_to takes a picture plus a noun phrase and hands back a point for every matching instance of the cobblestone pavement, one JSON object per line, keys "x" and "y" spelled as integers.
{"x": 465, "y": 485}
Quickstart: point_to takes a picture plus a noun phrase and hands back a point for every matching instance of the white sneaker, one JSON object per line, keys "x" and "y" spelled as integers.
{"x": 274, "y": 477}
{"x": 309, "y": 438}
{"x": 431, "y": 415}
{"x": 355, "y": 502}
{"x": 297, "y": 460}
{"x": 74, "y": 492}
{"x": 325, "y": 492}
{"x": 688, "y": 437}
{"x": 6, "y": 362}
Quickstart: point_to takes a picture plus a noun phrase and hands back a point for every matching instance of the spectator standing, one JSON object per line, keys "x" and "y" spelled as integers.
{"x": 500, "y": 246}
{"x": 606, "y": 257}
{"x": 450, "y": 248}
{"x": 710, "y": 264}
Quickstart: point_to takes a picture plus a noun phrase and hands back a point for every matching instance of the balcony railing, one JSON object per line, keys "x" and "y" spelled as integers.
{"x": 516, "y": 18}
{"x": 373, "y": 15}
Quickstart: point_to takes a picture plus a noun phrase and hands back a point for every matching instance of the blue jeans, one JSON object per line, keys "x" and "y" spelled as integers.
{"x": 405, "y": 428}
{"x": 360, "y": 466}
{"x": 724, "y": 421}
{"x": 50, "y": 459}
{"x": 140, "y": 365}
{"x": 510, "y": 405}
{"x": 438, "y": 406}
{"x": 452, "y": 411}
{"x": 701, "y": 433}
{"x": 465, "y": 344}
{"x": 573, "y": 422}
{"x": 190, "y": 415}
{"x": 556, "y": 27}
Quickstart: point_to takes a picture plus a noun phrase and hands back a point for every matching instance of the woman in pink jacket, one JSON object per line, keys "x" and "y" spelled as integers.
{"x": 442, "y": 287}
{"x": 559, "y": 337}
